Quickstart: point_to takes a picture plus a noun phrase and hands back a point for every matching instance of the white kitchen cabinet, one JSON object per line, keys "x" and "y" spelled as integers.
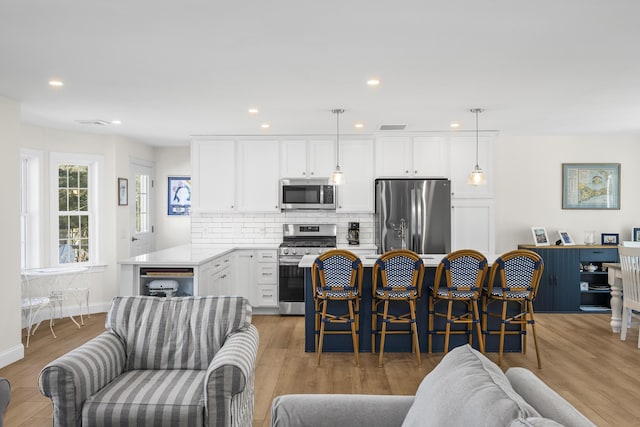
{"x": 356, "y": 162}
{"x": 266, "y": 278}
{"x": 244, "y": 261}
{"x": 216, "y": 277}
{"x": 258, "y": 175}
{"x": 302, "y": 158}
{"x": 213, "y": 166}
{"x": 463, "y": 160}
{"x": 412, "y": 156}
{"x": 473, "y": 224}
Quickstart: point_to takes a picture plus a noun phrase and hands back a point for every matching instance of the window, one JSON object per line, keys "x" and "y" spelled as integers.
{"x": 143, "y": 188}
{"x": 74, "y": 209}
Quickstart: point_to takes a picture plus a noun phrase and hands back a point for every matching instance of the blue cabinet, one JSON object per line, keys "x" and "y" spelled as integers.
{"x": 565, "y": 269}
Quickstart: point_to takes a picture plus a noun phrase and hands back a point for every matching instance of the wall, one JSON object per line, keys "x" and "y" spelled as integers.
{"x": 528, "y": 186}
{"x": 171, "y": 230}
{"x": 11, "y": 348}
{"x": 238, "y": 228}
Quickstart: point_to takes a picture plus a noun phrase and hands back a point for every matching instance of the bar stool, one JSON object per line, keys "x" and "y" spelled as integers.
{"x": 397, "y": 276}
{"x": 464, "y": 273}
{"x": 337, "y": 279}
{"x": 518, "y": 273}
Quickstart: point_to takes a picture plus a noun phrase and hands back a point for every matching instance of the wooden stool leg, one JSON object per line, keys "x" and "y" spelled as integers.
{"x": 431, "y": 331}
{"x": 354, "y": 336}
{"x": 447, "y": 329}
{"x": 502, "y": 329}
{"x": 374, "y": 324}
{"x": 322, "y": 323}
{"x": 478, "y": 326}
{"x": 384, "y": 332}
{"x": 414, "y": 327}
{"x": 533, "y": 331}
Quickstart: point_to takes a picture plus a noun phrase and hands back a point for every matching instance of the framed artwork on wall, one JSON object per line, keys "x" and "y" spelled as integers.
{"x": 591, "y": 186}
{"x": 123, "y": 191}
{"x": 635, "y": 234}
{"x": 179, "y": 195}
{"x": 540, "y": 237}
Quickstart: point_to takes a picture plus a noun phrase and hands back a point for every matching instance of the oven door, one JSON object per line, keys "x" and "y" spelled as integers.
{"x": 290, "y": 286}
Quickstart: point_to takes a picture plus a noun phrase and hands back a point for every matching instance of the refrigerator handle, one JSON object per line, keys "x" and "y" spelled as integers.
{"x": 416, "y": 213}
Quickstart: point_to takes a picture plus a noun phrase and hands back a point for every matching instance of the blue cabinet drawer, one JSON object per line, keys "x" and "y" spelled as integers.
{"x": 599, "y": 254}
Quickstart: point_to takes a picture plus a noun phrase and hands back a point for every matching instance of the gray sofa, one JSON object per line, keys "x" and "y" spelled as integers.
{"x": 465, "y": 389}
{"x": 5, "y": 397}
{"x": 185, "y": 361}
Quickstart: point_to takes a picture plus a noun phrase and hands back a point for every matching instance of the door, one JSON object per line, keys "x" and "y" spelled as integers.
{"x": 141, "y": 209}
{"x": 430, "y": 225}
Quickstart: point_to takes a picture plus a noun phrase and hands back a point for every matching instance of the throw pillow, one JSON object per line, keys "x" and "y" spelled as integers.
{"x": 466, "y": 389}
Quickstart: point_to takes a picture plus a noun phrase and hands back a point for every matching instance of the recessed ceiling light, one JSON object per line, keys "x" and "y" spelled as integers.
{"x": 454, "y": 125}
{"x": 358, "y": 125}
{"x": 116, "y": 122}
{"x": 265, "y": 126}
{"x": 373, "y": 82}
{"x": 253, "y": 111}
{"x": 55, "y": 83}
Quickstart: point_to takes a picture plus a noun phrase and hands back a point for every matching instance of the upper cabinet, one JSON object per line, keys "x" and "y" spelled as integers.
{"x": 258, "y": 176}
{"x": 303, "y": 158}
{"x": 412, "y": 156}
{"x": 356, "y": 162}
{"x": 213, "y": 166}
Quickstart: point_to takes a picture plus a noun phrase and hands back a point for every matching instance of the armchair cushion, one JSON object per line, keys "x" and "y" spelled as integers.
{"x": 175, "y": 333}
{"x": 148, "y": 398}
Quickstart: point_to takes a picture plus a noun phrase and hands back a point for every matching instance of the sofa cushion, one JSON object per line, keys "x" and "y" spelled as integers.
{"x": 534, "y": 422}
{"x": 148, "y": 398}
{"x": 466, "y": 389}
{"x": 546, "y": 400}
{"x": 175, "y": 333}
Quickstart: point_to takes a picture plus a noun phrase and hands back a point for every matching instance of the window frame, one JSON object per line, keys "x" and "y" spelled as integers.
{"x": 31, "y": 203}
{"x": 95, "y": 172}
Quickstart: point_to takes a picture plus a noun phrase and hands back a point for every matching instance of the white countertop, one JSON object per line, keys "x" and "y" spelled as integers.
{"x": 190, "y": 255}
{"x": 429, "y": 260}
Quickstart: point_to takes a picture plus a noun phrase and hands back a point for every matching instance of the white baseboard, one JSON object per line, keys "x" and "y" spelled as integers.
{"x": 11, "y": 355}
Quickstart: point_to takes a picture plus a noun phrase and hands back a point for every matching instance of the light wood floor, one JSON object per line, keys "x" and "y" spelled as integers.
{"x": 581, "y": 359}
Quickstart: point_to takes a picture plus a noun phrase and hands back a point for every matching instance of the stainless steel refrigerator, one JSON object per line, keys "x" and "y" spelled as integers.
{"x": 413, "y": 214}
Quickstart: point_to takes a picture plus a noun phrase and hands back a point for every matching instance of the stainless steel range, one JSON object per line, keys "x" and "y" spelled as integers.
{"x": 299, "y": 240}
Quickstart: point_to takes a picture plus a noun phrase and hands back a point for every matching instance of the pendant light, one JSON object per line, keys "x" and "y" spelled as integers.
{"x": 337, "y": 177}
{"x": 477, "y": 176}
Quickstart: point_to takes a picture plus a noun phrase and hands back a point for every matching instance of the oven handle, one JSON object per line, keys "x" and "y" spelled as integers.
{"x": 289, "y": 261}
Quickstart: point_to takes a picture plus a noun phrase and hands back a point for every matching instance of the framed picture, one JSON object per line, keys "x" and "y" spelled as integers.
{"x": 591, "y": 186}
{"x": 610, "y": 238}
{"x": 565, "y": 238}
{"x": 123, "y": 191}
{"x": 540, "y": 237}
{"x": 179, "y": 195}
{"x": 635, "y": 234}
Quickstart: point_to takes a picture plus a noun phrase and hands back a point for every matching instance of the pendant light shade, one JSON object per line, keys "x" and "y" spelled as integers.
{"x": 477, "y": 176}
{"x": 337, "y": 177}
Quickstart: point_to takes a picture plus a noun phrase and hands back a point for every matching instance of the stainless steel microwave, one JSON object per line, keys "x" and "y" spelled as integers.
{"x": 298, "y": 193}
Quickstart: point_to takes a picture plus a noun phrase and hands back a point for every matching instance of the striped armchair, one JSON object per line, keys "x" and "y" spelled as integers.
{"x": 185, "y": 361}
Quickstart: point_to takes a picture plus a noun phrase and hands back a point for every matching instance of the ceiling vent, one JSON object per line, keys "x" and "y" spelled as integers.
{"x": 94, "y": 122}
{"x": 392, "y": 127}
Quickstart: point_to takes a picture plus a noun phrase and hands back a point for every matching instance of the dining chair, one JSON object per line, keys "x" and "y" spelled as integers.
{"x": 513, "y": 282}
{"x": 36, "y": 297}
{"x": 337, "y": 276}
{"x": 630, "y": 266}
{"x": 396, "y": 277}
{"x": 459, "y": 278}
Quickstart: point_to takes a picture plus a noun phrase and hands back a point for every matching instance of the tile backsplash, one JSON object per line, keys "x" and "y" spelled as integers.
{"x": 241, "y": 228}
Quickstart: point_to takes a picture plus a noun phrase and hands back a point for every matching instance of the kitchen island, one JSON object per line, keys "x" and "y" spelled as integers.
{"x": 250, "y": 271}
{"x": 394, "y": 343}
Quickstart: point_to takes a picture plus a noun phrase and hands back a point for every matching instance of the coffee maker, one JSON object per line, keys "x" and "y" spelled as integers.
{"x": 353, "y": 234}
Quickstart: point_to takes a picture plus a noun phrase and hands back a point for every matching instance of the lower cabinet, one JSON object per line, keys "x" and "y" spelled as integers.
{"x": 567, "y": 285}
{"x": 257, "y": 276}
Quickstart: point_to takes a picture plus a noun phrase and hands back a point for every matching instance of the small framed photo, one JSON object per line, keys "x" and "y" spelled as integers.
{"x": 610, "y": 238}
{"x": 123, "y": 191}
{"x": 179, "y": 195}
{"x": 540, "y": 237}
{"x": 635, "y": 234}
{"x": 565, "y": 238}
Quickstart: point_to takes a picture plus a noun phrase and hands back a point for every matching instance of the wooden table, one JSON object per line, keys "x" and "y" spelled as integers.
{"x": 615, "y": 281}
